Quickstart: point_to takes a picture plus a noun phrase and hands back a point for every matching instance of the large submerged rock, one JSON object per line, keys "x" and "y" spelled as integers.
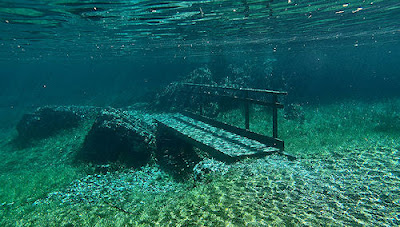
{"x": 46, "y": 121}
{"x": 118, "y": 136}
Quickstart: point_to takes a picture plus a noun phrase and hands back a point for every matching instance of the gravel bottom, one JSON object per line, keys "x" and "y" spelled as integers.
{"x": 344, "y": 187}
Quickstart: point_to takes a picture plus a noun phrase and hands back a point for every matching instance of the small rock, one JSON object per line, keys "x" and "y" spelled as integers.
{"x": 294, "y": 112}
{"x": 209, "y": 166}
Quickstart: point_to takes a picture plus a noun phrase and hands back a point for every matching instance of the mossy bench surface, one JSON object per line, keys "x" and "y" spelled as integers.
{"x": 216, "y": 139}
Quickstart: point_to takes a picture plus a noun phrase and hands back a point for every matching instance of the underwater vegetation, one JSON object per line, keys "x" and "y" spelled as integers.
{"x": 347, "y": 174}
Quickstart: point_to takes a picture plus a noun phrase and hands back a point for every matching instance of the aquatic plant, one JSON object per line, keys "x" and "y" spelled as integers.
{"x": 347, "y": 174}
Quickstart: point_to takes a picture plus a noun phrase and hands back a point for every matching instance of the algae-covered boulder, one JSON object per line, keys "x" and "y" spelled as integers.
{"x": 118, "y": 136}
{"x": 45, "y": 121}
{"x": 172, "y": 98}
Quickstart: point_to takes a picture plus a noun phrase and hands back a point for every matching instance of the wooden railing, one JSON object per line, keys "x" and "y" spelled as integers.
{"x": 245, "y": 95}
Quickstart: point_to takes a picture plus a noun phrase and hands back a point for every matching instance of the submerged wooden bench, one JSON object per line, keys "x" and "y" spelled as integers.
{"x": 222, "y": 141}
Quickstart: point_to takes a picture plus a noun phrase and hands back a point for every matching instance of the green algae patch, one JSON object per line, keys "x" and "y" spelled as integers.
{"x": 31, "y": 172}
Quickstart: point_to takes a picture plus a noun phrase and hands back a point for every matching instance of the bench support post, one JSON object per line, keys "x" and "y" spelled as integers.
{"x": 247, "y": 112}
{"x": 275, "y": 117}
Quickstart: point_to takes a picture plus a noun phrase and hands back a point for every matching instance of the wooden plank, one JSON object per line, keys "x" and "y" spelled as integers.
{"x": 238, "y": 89}
{"x": 243, "y": 145}
{"x": 220, "y": 144}
{"x": 249, "y": 100}
{"x": 273, "y": 142}
{"x": 212, "y": 151}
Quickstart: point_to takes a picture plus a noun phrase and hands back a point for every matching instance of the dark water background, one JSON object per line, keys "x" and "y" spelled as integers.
{"x": 119, "y": 52}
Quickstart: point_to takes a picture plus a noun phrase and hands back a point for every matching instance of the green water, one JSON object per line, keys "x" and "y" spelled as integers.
{"x": 338, "y": 61}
